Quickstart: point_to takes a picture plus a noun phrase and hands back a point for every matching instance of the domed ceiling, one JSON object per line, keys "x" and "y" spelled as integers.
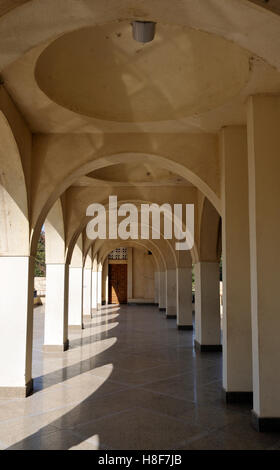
{"x": 103, "y": 73}
{"x": 99, "y": 80}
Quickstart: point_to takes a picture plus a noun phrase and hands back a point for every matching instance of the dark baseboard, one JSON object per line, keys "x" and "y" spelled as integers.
{"x": 142, "y": 304}
{"x": 171, "y": 317}
{"x": 162, "y": 309}
{"x": 185, "y": 327}
{"x": 207, "y": 347}
{"x": 265, "y": 424}
{"x": 29, "y": 388}
{"x": 238, "y": 397}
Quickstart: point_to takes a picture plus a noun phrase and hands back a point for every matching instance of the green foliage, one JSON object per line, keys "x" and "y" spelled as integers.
{"x": 40, "y": 266}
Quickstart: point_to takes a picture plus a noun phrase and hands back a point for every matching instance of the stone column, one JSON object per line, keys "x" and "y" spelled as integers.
{"x": 16, "y": 325}
{"x": 56, "y": 309}
{"x": 75, "y": 307}
{"x": 99, "y": 288}
{"x": 87, "y": 281}
{"x": 184, "y": 298}
{"x": 162, "y": 291}
{"x": 105, "y": 275}
{"x": 237, "y": 332}
{"x": 207, "y": 307}
{"x": 264, "y": 208}
{"x": 171, "y": 293}
{"x": 129, "y": 273}
{"x": 156, "y": 280}
{"x": 94, "y": 291}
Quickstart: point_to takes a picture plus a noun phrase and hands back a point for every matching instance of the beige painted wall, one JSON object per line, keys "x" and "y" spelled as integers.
{"x": 143, "y": 275}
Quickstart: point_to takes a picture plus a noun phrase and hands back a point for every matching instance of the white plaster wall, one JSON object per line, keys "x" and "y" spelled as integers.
{"x": 75, "y": 310}
{"x": 16, "y": 315}
{"x": 55, "y": 314}
{"x": 87, "y": 291}
{"x": 94, "y": 290}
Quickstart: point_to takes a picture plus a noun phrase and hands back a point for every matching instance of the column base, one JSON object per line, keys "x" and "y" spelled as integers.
{"x": 56, "y": 347}
{"x": 171, "y": 312}
{"x": 237, "y": 397}
{"x": 99, "y": 306}
{"x": 265, "y": 424}
{"x": 185, "y": 327}
{"x": 171, "y": 317}
{"x": 17, "y": 392}
{"x": 87, "y": 317}
{"x": 162, "y": 309}
{"x": 207, "y": 347}
{"x": 76, "y": 327}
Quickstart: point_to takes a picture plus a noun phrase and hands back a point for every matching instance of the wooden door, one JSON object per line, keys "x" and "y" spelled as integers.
{"x": 117, "y": 283}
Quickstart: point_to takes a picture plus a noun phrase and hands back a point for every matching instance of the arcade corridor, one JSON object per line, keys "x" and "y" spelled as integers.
{"x": 130, "y": 380}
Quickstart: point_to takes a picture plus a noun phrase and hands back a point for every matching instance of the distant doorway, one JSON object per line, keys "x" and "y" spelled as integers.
{"x": 117, "y": 283}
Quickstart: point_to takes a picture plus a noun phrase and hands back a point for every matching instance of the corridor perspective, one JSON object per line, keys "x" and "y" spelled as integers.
{"x": 129, "y": 380}
{"x": 139, "y": 224}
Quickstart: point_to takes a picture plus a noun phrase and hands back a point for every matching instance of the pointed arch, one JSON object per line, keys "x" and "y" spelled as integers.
{"x": 14, "y": 214}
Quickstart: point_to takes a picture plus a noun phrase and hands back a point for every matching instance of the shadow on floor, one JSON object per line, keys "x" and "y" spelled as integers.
{"x": 136, "y": 385}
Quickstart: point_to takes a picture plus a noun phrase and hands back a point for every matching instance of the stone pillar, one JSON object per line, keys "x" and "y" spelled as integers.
{"x": 75, "y": 307}
{"x": 87, "y": 281}
{"x": 105, "y": 275}
{"x": 156, "y": 280}
{"x": 207, "y": 307}
{"x": 16, "y": 325}
{"x": 56, "y": 309}
{"x": 99, "y": 288}
{"x": 129, "y": 273}
{"x": 184, "y": 298}
{"x": 162, "y": 291}
{"x": 94, "y": 291}
{"x": 237, "y": 332}
{"x": 264, "y": 205}
{"x": 171, "y": 293}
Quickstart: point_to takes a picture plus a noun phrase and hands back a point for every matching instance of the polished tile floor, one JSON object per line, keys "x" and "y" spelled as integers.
{"x": 130, "y": 380}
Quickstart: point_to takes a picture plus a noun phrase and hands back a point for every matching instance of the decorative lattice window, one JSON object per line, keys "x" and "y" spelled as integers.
{"x": 118, "y": 253}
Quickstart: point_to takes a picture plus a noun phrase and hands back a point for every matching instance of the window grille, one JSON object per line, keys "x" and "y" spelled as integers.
{"x": 118, "y": 253}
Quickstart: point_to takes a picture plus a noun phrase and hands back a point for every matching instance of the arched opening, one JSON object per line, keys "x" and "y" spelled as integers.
{"x": 190, "y": 118}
